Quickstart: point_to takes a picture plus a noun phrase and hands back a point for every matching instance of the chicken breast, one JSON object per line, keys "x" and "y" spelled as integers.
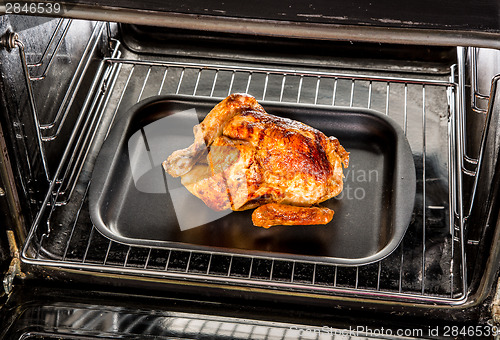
{"x": 243, "y": 158}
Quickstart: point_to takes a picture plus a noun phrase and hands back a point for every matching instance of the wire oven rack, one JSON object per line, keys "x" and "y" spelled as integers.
{"x": 429, "y": 265}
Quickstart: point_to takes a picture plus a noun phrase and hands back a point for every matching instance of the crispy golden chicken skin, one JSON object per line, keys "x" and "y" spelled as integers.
{"x": 243, "y": 158}
{"x": 271, "y": 214}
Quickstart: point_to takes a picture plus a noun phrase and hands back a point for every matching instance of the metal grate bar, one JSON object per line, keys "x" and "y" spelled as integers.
{"x": 248, "y": 82}
{"x": 380, "y": 271}
{"x": 107, "y": 252}
{"x": 74, "y": 224}
{"x": 144, "y": 84}
{"x": 126, "y": 256}
{"x": 272, "y": 270}
{"x": 149, "y": 256}
{"x": 163, "y": 81}
{"x": 423, "y": 189}
{"x": 215, "y": 82}
{"x": 314, "y": 274}
{"x": 352, "y": 93}
{"x": 231, "y": 84}
{"x": 209, "y": 263}
{"x": 265, "y": 86}
{"x": 317, "y": 91}
{"x": 370, "y": 94}
{"x": 387, "y": 99}
{"x": 334, "y": 91}
{"x": 476, "y": 96}
{"x": 282, "y": 87}
{"x": 405, "y": 122}
{"x": 300, "y": 88}
{"x": 88, "y": 245}
{"x": 451, "y": 178}
{"x": 168, "y": 259}
{"x": 335, "y": 277}
{"x": 230, "y": 265}
{"x": 180, "y": 81}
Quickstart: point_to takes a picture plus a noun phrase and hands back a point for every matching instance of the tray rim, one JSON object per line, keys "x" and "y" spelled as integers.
{"x": 402, "y": 151}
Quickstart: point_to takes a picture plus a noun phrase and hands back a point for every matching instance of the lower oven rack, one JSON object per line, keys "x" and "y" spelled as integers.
{"x": 429, "y": 265}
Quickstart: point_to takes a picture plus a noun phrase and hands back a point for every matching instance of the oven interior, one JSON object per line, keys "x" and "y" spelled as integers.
{"x": 65, "y": 80}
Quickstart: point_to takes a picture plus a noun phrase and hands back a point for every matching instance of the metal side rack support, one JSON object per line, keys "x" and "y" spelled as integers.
{"x": 11, "y": 40}
{"x": 51, "y": 42}
{"x": 74, "y": 85}
{"x": 478, "y": 99}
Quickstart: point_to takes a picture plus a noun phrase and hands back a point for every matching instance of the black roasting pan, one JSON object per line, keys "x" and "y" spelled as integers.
{"x": 133, "y": 201}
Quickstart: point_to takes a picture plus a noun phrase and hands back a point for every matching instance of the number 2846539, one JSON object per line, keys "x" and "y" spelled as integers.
{"x": 33, "y": 8}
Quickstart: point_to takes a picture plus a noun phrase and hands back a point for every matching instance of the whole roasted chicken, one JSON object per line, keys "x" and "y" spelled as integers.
{"x": 243, "y": 158}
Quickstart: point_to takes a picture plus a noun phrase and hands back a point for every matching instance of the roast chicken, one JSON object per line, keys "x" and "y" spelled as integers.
{"x": 244, "y": 158}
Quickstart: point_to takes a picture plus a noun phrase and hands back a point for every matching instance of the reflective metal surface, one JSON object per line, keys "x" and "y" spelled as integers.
{"x": 72, "y": 321}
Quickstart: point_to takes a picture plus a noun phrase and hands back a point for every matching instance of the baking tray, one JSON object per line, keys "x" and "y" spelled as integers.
{"x": 133, "y": 201}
